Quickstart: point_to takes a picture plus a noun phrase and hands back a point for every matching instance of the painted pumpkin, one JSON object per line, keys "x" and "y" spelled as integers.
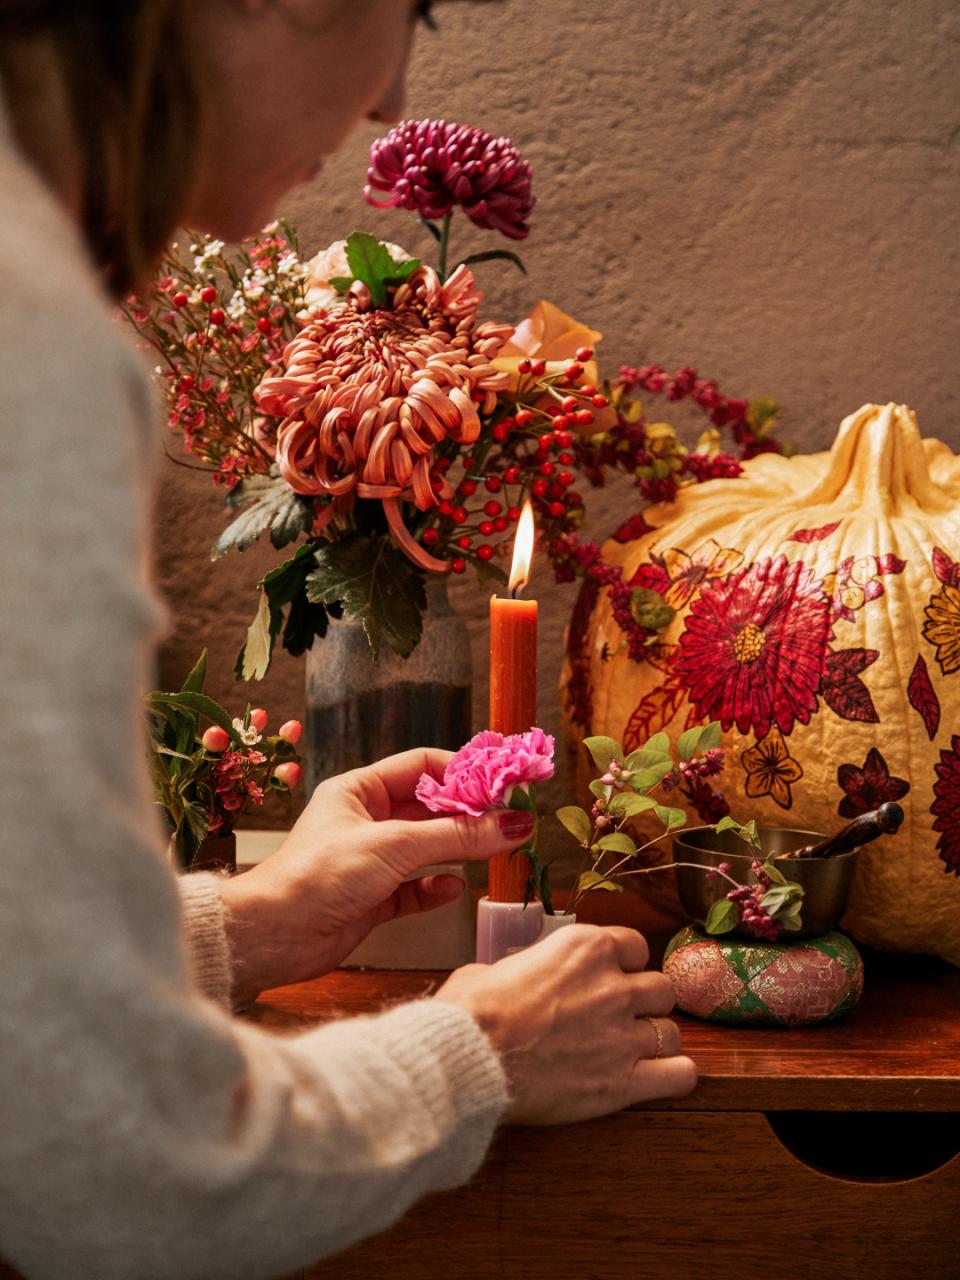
{"x": 818, "y": 619}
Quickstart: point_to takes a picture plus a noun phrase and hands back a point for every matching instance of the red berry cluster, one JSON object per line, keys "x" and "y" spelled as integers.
{"x": 526, "y": 453}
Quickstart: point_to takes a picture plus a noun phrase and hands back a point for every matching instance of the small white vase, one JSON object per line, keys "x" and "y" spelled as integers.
{"x": 552, "y": 923}
{"x": 503, "y": 928}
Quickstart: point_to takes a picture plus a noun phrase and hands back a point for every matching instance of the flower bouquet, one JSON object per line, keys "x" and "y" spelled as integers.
{"x": 205, "y": 780}
{"x": 355, "y": 406}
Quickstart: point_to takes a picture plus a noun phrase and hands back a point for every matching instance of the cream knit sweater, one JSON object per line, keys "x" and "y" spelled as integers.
{"x": 144, "y": 1132}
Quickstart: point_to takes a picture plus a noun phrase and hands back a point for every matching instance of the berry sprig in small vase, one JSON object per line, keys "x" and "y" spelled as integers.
{"x": 206, "y": 779}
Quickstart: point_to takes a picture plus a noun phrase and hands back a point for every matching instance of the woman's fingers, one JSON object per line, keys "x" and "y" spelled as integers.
{"x": 673, "y": 1077}
{"x": 396, "y": 777}
{"x": 424, "y": 894}
{"x": 659, "y": 1037}
{"x": 651, "y": 995}
{"x": 456, "y": 838}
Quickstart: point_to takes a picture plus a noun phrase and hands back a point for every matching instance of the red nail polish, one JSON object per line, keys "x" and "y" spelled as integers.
{"x": 515, "y": 824}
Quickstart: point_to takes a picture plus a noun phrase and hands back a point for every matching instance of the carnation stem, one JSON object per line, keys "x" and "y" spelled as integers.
{"x": 444, "y": 238}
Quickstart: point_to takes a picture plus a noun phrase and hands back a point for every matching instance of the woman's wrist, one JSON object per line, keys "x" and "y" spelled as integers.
{"x": 257, "y": 924}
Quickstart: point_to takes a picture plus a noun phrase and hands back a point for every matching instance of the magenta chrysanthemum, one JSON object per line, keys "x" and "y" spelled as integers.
{"x": 430, "y": 166}
{"x": 369, "y": 392}
{"x": 484, "y": 772}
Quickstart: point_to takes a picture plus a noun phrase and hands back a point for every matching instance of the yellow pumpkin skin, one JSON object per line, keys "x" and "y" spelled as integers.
{"x": 818, "y": 617}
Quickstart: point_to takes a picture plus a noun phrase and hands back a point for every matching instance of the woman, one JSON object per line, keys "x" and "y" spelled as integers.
{"x": 145, "y": 1130}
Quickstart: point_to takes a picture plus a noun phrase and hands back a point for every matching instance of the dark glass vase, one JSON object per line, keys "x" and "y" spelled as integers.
{"x": 358, "y": 710}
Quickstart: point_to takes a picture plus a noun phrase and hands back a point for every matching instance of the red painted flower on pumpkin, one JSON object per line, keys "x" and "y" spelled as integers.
{"x": 369, "y": 392}
{"x": 868, "y": 786}
{"x": 754, "y": 645}
{"x": 946, "y": 807}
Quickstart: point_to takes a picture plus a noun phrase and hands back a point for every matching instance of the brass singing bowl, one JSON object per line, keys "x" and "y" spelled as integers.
{"x": 826, "y": 881}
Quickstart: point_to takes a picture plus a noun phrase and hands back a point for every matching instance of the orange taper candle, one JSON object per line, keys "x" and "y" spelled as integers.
{"x": 513, "y": 687}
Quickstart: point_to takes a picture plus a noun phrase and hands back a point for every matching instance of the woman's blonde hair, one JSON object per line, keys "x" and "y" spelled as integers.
{"x": 131, "y": 95}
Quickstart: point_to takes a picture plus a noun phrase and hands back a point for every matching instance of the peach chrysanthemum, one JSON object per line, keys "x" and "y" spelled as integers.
{"x": 369, "y": 392}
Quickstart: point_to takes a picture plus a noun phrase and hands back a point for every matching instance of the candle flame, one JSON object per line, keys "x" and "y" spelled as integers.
{"x": 522, "y": 551}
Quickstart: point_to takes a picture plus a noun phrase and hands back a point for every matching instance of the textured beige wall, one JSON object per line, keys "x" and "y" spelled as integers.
{"x": 767, "y": 191}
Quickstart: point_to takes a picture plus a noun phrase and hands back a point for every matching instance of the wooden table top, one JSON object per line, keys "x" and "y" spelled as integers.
{"x": 898, "y": 1050}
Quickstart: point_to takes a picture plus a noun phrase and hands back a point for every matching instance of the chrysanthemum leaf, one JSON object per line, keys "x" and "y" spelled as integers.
{"x": 273, "y": 506}
{"x": 376, "y": 584}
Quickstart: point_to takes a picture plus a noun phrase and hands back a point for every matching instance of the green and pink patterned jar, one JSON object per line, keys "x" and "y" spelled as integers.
{"x": 764, "y": 984}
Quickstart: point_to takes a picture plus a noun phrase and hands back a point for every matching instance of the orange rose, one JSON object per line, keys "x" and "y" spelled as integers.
{"x": 548, "y": 334}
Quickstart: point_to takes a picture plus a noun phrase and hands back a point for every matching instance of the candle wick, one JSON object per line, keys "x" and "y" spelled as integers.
{"x": 515, "y": 591}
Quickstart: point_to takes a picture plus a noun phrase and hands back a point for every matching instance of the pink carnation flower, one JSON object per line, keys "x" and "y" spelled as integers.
{"x": 429, "y": 166}
{"x": 482, "y": 774}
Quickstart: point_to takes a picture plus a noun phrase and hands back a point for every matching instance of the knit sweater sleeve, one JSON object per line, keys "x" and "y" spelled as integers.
{"x": 146, "y": 1131}
{"x": 208, "y": 952}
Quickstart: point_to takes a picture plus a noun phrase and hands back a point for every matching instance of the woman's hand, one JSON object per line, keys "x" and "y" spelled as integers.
{"x": 578, "y": 1025}
{"x": 343, "y": 868}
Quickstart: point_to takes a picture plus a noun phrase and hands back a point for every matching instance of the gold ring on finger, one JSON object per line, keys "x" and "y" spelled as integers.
{"x": 657, "y": 1032}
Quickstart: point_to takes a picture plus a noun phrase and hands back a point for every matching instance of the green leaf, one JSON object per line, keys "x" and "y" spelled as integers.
{"x": 750, "y": 833}
{"x": 774, "y": 873}
{"x": 649, "y": 609}
{"x": 576, "y": 821}
{"x": 369, "y": 260}
{"x": 376, "y": 583}
{"x": 617, "y": 842}
{"x": 491, "y": 255}
{"x": 648, "y": 778}
{"x": 645, "y": 758}
{"x": 340, "y": 283}
{"x": 305, "y": 623}
{"x": 761, "y": 414}
{"x": 628, "y": 805}
{"x": 774, "y": 898}
{"x": 595, "y": 880}
{"x": 688, "y": 742}
{"x": 272, "y": 505}
{"x": 660, "y": 742}
{"x": 603, "y": 750}
{"x": 197, "y": 678}
{"x": 201, "y": 704}
{"x": 671, "y": 818}
{"x": 600, "y": 789}
{"x": 284, "y": 585}
{"x": 487, "y": 571}
{"x": 710, "y": 737}
{"x": 727, "y": 824}
{"x": 523, "y": 798}
{"x": 403, "y": 271}
{"x": 722, "y": 917}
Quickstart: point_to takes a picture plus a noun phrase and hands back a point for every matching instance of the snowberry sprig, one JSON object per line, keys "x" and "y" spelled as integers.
{"x": 625, "y": 789}
{"x": 206, "y": 780}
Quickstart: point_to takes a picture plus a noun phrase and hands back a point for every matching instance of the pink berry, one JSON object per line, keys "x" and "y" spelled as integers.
{"x": 216, "y": 739}
{"x": 291, "y": 731}
{"x": 288, "y": 773}
{"x": 258, "y": 719}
